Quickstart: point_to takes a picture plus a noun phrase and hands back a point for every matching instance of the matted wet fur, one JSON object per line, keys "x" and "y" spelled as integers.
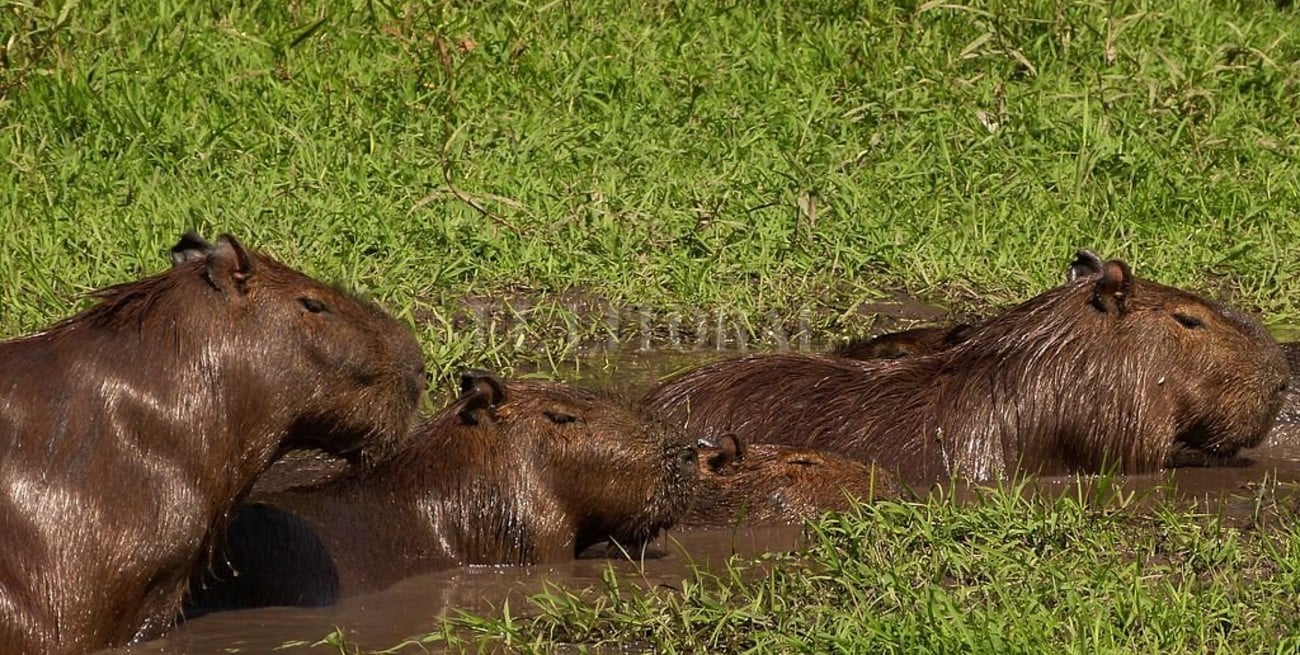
{"x": 1104, "y": 371}
{"x": 519, "y": 472}
{"x": 764, "y": 484}
{"x": 130, "y": 431}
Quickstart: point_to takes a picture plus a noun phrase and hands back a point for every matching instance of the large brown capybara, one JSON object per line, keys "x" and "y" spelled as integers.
{"x": 764, "y": 484}
{"x": 1104, "y": 371}
{"x": 520, "y": 472}
{"x": 906, "y": 343}
{"x": 131, "y": 430}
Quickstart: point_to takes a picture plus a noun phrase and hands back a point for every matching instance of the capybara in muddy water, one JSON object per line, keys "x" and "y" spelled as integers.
{"x": 905, "y": 343}
{"x": 131, "y": 430}
{"x": 1106, "y": 370}
{"x": 516, "y": 472}
{"x": 770, "y": 484}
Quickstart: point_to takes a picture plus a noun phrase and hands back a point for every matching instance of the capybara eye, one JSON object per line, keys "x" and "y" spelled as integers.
{"x": 312, "y": 305}
{"x": 1188, "y": 321}
{"x": 560, "y": 417}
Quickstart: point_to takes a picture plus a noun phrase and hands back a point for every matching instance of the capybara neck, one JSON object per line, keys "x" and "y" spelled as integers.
{"x": 1104, "y": 371}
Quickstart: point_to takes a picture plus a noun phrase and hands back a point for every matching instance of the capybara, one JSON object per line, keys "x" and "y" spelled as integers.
{"x": 906, "y": 343}
{"x": 517, "y": 472}
{"x": 1106, "y": 371}
{"x": 771, "y": 484}
{"x": 132, "y": 429}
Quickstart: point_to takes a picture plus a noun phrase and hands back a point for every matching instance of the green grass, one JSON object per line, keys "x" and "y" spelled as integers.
{"x": 757, "y": 157}
{"x": 1080, "y": 572}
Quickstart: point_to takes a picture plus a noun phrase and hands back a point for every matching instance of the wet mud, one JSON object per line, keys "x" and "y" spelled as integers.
{"x": 415, "y": 605}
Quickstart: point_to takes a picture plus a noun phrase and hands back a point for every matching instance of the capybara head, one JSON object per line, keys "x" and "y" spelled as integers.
{"x": 613, "y": 470}
{"x": 354, "y": 372}
{"x": 767, "y": 484}
{"x": 1214, "y": 372}
{"x": 906, "y": 343}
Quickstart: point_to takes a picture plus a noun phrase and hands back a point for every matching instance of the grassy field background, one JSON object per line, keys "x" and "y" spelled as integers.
{"x": 757, "y": 157}
{"x": 761, "y": 158}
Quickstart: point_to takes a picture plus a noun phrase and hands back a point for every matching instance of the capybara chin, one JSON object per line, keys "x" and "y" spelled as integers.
{"x": 131, "y": 430}
{"x": 906, "y": 343}
{"x": 517, "y": 472}
{"x": 1104, "y": 371}
{"x": 763, "y": 484}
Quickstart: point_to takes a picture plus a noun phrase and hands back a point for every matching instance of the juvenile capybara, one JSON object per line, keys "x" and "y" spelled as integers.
{"x": 1104, "y": 371}
{"x": 517, "y": 472}
{"x": 905, "y": 343}
{"x": 131, "y": 430}
{"x": 772, "y": 484}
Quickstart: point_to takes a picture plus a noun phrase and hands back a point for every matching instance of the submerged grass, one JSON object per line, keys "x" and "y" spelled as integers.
{"x": 1009, "y": 572}
{"x": 762, "y": 157}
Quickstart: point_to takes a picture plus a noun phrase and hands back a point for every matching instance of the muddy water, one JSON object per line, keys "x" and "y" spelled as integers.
{"x": 414, "y": 606}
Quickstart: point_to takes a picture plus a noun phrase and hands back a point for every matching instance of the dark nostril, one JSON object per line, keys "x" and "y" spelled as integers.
{"x": 1283, "y": 386}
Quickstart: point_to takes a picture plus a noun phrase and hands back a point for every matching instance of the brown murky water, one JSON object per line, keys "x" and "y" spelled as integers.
{"x": 415, "y": 605}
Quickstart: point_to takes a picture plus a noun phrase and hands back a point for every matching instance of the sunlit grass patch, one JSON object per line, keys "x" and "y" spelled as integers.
{"x": 761, "y": 157}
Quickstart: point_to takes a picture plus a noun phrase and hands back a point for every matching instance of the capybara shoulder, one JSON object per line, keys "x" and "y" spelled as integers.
{"x": 512, "y": 472}
{"x": 133, "y": 428}
{"x": 771, "y": 484}
{"x": 1106, "y": 370}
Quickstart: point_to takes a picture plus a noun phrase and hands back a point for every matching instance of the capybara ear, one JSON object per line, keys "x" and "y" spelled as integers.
{"x": 480, "y": 392}
{"x": 190, "y": 248}
{"x": 229, "y": 265}
{"x": 731, "y": 451}
{"x": 1086, "y": 264}
{"x": 1113, "y": 288}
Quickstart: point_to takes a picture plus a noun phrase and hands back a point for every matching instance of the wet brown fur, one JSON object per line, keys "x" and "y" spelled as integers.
{"x": 129, "y": 432}
{"x": 1103, "y": 371}
{"x": 763, "y": 484}
{"x": 520, "y": 472}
